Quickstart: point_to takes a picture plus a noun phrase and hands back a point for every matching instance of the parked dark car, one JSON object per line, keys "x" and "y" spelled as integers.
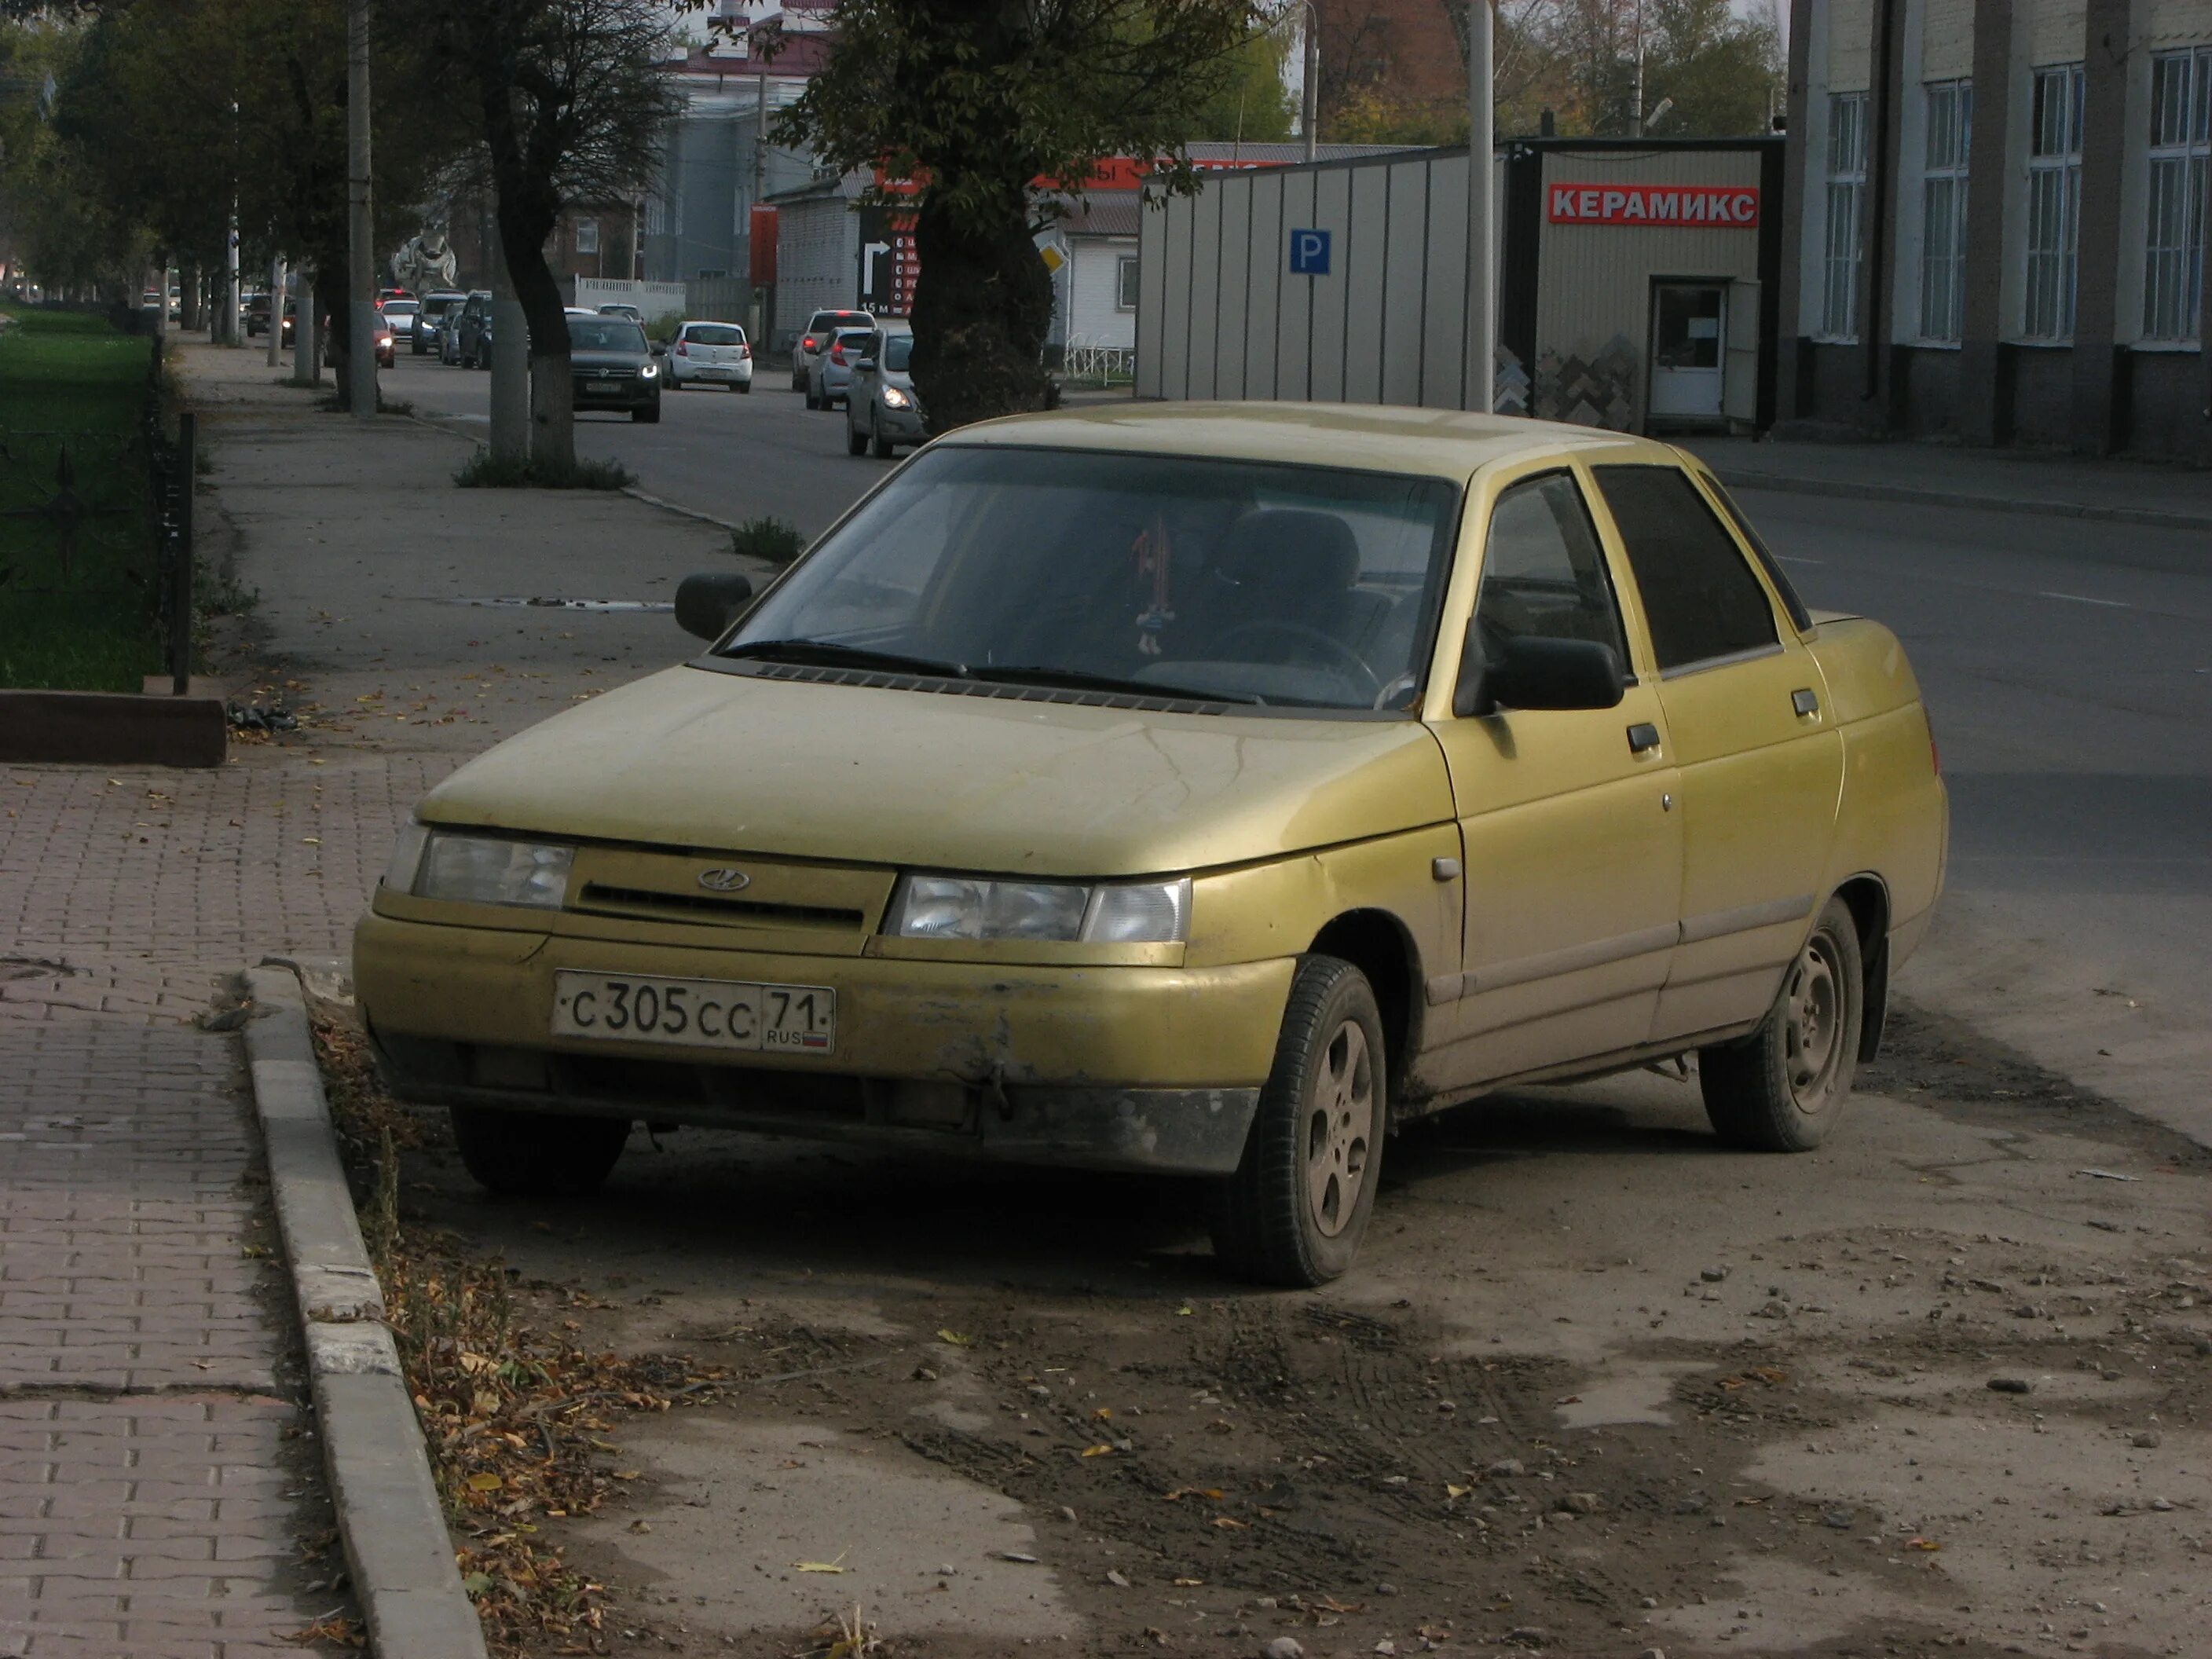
{"x": 462, "y": 339}
{"x": 612, "y": 368}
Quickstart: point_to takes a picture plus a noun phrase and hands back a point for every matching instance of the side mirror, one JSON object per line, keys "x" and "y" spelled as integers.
{"x": 866, "y": 366}
{"x": 706, "y": 604}
{"x": 1536, "y": 673}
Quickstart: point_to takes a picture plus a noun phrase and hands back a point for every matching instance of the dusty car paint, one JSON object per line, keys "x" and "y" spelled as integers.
{"x": 1532, "y": 899}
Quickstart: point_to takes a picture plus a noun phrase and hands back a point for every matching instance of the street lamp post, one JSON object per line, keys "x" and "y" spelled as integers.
{"x": 1482, "y": 220}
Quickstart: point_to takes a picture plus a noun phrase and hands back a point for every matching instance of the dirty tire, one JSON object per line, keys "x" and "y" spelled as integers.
{"x": 1294, "y": 1212}
{"x": 1782, "y": 1089}
{"x": 538, "y": 1154}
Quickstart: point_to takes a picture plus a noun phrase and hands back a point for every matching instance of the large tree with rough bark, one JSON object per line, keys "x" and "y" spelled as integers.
{"x": 571, "y": 108}
{"x": 976, "y": 101}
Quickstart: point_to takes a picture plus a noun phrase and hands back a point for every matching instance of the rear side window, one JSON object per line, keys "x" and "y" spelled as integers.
{"x": 1776, "y": 578}
{"x": 1700, "y": 597}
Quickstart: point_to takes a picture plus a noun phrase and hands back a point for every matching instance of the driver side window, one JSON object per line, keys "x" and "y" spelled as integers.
{"x": 1543, "y": 573}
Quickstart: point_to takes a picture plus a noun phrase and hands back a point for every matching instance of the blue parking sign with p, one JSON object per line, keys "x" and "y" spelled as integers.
{"x": 1308, "y": 253}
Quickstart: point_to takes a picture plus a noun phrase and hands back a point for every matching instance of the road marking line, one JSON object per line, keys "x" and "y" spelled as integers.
{"x": 2083, "y": 599}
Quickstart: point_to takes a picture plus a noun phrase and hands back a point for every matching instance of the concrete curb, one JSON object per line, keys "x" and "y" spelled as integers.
{"x": 667, "y": 505}
{"x": 2153, "y": 518}
{"x": 397, "y": 1547}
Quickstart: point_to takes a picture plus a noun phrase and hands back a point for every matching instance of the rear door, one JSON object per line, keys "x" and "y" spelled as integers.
{"x": 1761, "y": 763}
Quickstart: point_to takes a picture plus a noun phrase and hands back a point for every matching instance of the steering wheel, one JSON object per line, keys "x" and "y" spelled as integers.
{"x": 1344, "y": 655}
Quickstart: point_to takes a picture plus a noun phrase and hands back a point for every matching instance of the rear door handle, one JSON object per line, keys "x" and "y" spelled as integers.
{"x": 1642, "y": 736}
{"x": 1805, "y": 702}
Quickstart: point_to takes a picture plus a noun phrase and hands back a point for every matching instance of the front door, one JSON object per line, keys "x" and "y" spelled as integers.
{"x": 1573, "y": 846}
{"x": 1688, "y": 334}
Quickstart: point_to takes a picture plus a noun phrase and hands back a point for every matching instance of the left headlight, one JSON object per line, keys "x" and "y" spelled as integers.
{"x": 479, "y": 869}
{"x": 971, "y": 907}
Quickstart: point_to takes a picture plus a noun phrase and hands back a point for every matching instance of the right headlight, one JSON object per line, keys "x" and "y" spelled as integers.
{"x": 435, "y": 864}
{"x": 975, "y": 908}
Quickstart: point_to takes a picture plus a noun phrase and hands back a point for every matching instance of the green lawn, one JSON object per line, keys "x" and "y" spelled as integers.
{"x": 72, "y": 382}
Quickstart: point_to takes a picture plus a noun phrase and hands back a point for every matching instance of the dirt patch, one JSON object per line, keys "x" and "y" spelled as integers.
{"x": 1599, "y": 1385}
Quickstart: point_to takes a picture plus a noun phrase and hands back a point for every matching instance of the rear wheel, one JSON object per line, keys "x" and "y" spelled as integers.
{"x": 744, "y": 386}
{"x": 538, "y": 1154}
{"x": 1296, "y": 1209}
{"x": 1782, "y": 1089}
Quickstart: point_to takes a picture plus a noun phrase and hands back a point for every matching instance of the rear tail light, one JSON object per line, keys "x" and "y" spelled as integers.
{"x": 745, "y": 352}
{"x": 837, "y": 354}
{"x": 806, "y": 343}
{"x": 682, "y": 349}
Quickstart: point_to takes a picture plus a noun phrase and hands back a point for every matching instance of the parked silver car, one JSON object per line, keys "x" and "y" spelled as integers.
{"x": 813, "y": 344}
{"x": 881, "y": 408}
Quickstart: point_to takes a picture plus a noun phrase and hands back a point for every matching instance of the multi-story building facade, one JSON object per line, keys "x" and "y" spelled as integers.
{"x": 1997, "y": 221}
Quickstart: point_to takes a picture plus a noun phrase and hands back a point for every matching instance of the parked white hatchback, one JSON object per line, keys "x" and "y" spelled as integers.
{"x": 710, "y": 354}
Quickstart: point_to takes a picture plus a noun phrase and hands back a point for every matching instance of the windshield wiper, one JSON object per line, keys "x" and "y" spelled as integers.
{"x": 1078, "y": 679}
{"x": 829, "y": 653}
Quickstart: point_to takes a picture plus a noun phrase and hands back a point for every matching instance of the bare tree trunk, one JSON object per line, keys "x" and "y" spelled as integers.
{"x": 552, "y": 392}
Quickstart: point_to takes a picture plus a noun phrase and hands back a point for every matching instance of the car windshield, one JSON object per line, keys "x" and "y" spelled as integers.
{"x": 606, "y": 334}
{"x": 898, "y": 351}
{"x": 399, "y": 308}
{"x": 714, "y": 334}
{"x": 1239, "y": 582}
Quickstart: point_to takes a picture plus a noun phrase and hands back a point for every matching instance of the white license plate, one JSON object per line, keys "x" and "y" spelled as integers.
{"x": 695, "y": 1013}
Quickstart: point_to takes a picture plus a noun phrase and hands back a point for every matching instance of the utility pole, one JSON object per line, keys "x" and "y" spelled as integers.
{"x": 360, "y": 256}
{"x": 755, "y": 316}
{"x": 1636, "y": 114}
{"x": 1482, "y": 220}
{"x": 276, "y": 310}
{"x": 230, "y": 282}
{"x": 1310, "y": 90}
{"x": 510, "y": 361}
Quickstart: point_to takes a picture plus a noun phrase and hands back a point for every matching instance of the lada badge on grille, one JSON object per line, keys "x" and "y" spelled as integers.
{"x": 725, "y": 880}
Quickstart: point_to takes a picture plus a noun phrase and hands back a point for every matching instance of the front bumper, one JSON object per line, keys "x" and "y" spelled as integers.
{"x": 1100, "y": 1067}
{"x": 620, "y": 394}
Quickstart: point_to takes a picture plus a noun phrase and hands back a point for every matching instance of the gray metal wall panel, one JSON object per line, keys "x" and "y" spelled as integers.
{"x": 1366, "y": 256}
{"x": 1175, "y": 338}
{"x": 1269, "y": 255}
{"x": 1333, "y": 213}
{"x": 1205, "y": 279}
{"x": 1235, "y": 287}
{"x": 1404, "y": 316}
{"x": 1444, "y": 356}
{"x": 1294, "y": 318}
{"x": 1152, "y": 296}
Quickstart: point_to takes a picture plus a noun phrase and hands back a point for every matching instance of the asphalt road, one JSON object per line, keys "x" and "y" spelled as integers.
{"x": 735, "y": 456}
{"x": 2067, "y": 665}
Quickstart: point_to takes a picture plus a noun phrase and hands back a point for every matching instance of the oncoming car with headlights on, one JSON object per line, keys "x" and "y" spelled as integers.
{"x": 1193, "y": 789}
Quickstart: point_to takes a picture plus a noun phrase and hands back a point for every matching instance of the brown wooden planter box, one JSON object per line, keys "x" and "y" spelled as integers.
{"x": 112, "y": 728}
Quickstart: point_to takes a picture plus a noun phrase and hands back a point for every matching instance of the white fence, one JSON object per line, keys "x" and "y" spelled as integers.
{"x": 653, "y": 300}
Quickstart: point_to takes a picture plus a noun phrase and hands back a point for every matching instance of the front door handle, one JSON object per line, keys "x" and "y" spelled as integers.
{"x": 1806, "y": 702}
{"x": 1642, "y": 736}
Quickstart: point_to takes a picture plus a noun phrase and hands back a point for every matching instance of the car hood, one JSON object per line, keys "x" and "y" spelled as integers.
{"x": 710, "y": 761}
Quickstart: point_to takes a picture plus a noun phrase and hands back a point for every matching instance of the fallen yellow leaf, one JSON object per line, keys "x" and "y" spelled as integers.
{"x": 1104, "y": 1413}
{"x": 1230, "y": 1523}
{"x": 485, "y": 1483}
{"x": 822, "y": 1566}
{"x": 1924, "y": 1544}
{"x": 1457, "y": 1492}
{"x": 1098, "y": 1451}
{"x": 956, "y": 1339}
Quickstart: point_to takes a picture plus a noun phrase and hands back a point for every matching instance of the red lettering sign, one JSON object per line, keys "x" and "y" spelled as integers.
{"x": 1710, "y": 206}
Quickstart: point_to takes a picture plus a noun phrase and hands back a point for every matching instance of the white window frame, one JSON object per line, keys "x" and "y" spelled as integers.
{"x": 2180, "y": 151}
{"x": 1950, "y": 108}
{"x": 2054, "y": 204}
{"x": 588, "y": 236}
{"x": 1845, "y": 203}
{"x": 1125, "y": 283}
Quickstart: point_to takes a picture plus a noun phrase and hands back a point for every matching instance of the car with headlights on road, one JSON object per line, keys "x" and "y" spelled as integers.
{"x": 612, "y": 367}
{"x": 1203, "y": 790}
{"x": 882, "y": 409}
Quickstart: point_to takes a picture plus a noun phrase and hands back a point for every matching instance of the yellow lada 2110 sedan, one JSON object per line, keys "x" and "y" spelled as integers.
{"x": 1199, "y": 789}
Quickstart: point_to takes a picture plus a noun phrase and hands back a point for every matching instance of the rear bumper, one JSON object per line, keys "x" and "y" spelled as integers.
{"x": 1113, "y": 1067}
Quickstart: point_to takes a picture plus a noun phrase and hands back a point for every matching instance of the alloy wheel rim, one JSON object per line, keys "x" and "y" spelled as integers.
{"x": 1813, "y": 1021}
{"x": 1340, "y": 1123}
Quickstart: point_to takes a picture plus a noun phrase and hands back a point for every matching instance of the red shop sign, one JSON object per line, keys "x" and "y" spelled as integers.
{"x": 1713, "y": 207}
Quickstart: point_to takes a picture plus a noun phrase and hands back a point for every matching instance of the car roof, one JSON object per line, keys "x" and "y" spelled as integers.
{"x": 1446, "y": 443}
{"x": 712, "y": 322}
{"x": 838, "y": 315}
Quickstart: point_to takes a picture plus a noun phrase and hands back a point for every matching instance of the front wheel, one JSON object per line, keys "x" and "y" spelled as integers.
{"x": 1782, "y": 1089}
{"x": 1296, "y": 1209}
{"x": 856, "y": 441}
{"x": 647, "y": 416}
{"x": 538, "y": 1154}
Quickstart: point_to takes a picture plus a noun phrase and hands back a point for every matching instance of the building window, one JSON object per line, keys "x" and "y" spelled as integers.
{"x": 1125, "y": 292}
{"x": 1943, "y": 208}
{"x": 2054, "y": 202}
{"x": 587, "y": 235}
{"x": 1839, "y": 309}
{"x": 2180, "y": 143}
